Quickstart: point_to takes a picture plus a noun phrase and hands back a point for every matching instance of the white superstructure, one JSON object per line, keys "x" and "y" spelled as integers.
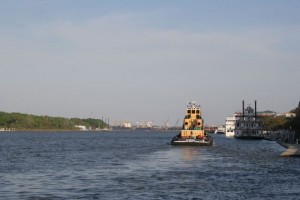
{"x": 220, "y": 130}
{"x": 230, "y": 126}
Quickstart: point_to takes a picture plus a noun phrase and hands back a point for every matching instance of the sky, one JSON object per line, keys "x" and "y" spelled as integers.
{"x": 141, "y": 60}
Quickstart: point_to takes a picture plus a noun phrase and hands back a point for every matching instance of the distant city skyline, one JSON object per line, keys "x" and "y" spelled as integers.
{"x": 144, "y": 60}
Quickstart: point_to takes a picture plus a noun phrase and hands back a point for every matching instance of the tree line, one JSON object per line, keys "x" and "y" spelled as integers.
{"x": 21, "y": 121}
{"x": 282, "y": 122}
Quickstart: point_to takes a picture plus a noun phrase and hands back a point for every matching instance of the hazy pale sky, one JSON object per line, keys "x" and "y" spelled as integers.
{"x": 140, "y": 60}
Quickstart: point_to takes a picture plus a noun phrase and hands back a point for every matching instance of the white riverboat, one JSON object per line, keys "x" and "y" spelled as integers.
{"x": 230, "y": 126}
{"x": 220, "y": 130}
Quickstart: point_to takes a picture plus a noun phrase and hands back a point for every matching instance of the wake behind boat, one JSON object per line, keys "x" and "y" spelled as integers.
{"x": 192, "y": 133}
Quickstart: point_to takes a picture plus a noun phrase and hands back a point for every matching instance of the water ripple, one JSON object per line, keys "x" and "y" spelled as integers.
{"x": 142, "y": 165}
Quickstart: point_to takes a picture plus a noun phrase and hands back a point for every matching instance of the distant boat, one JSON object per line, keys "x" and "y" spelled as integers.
{"x": 230, "y": 125}
{"x": 248, "y": 125}
{"x": 220, "y": 130}
{"x": 192, "y": 133}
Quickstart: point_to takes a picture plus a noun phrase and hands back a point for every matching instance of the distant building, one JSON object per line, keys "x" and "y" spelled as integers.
{"x": 267, "y": 113}
{"x": 275, "y": 114}
{"x": 289, "y": 114}
{"x": 82, "y": 128}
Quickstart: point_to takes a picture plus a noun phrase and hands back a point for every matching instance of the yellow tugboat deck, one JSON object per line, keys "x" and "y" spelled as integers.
{"x": 192, "y": 133}
{"x": 193, "y": 122}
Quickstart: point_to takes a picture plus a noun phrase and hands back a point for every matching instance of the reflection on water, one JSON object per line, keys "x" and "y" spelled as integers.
{"x": 191, "y": 153}
{"x": 142, "y": 165}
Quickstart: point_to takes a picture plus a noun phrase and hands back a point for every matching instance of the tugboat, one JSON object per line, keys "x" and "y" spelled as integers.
{"x": 192, "y": 133}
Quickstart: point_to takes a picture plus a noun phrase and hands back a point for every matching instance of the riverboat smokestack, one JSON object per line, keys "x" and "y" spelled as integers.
{"x": 243, "y": 108}
{"x": 255, "y": 107}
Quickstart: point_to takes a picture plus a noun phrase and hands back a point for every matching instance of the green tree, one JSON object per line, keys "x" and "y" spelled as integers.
{"x": 294, "y": 123}
{"x": 273, "y": 123}
{"x": 33, "y": 122}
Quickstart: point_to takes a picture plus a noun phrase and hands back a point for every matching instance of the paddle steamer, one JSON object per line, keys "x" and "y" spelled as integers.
{"x": 248, "y": 124}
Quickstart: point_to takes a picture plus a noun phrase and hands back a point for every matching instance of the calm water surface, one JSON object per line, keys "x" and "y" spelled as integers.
{"x": 142, "y": 165}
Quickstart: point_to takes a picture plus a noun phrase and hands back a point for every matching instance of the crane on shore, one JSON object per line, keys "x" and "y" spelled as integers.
{"x": 175, "y": 125}
{"x": 166, "y": 124}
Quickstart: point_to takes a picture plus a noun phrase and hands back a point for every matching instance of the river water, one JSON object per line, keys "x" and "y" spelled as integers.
{"x": 142, "y": 165}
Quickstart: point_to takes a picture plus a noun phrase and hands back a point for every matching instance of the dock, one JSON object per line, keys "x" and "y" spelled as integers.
{"x": 293, "y": 150}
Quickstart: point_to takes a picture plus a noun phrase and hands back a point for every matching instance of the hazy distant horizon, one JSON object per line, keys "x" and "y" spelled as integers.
{"x": 144, "y": 60}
